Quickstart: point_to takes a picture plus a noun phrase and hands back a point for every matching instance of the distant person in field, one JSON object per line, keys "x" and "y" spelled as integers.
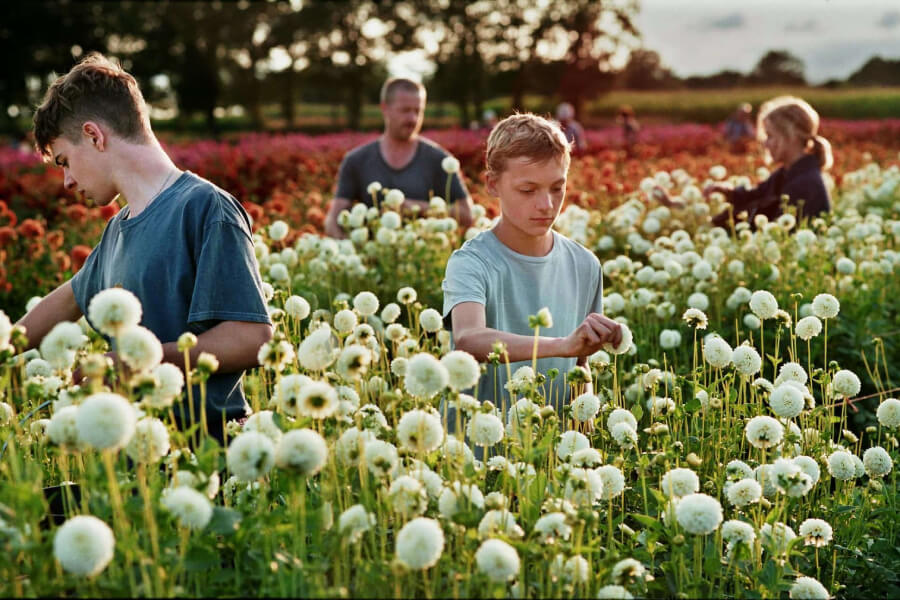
{"x": 788, "y": 128}
{"x": 181, "y": 245}
{"x": 630, "y": 128}
{"x": 488, "y": 119}
{"x": 574, "y": 132}
{"x": 399, "y": 159}
{"x": 501, "y": 276}
{"x": 739, "y": 130}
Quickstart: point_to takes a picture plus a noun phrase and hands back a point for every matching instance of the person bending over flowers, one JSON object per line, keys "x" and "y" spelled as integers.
{"x": 788, "y": 127}
{"x": 181, "y": 245}
{"x": 496, "y": 280}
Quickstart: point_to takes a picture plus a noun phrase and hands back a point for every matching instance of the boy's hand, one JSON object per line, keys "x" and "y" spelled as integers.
{"x": 594, "y": 331}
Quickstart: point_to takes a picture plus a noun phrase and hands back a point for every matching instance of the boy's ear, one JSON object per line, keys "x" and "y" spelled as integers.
{"x": 94, "y": 135}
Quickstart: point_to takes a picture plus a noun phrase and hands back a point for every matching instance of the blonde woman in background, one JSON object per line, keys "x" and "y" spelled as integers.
{"x": 788, "y": 127}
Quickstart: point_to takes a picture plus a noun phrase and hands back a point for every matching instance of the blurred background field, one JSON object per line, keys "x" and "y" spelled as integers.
{"x": 708, "y": 106}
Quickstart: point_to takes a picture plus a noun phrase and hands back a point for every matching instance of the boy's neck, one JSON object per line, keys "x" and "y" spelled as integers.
{"x": 143, "y": 172}
{"x": 518, "y": 241}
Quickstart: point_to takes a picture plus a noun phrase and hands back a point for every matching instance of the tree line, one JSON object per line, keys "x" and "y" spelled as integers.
{"x": 204, "y": 55}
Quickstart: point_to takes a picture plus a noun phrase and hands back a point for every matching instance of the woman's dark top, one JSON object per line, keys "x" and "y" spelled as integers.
{"x": 803, "y": 184}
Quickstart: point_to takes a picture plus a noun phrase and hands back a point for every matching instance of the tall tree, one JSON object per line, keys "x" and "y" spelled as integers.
{"x": 778, "y": 67}
{"x": 646, "y": 71}
{"x": 597, "y": 30}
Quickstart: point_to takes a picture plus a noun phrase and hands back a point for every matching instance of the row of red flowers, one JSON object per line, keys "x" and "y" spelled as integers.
{"x": 46, "y": 233}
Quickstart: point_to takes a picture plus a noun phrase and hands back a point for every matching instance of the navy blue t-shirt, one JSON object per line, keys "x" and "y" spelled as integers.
{"x": 189, "y": 259}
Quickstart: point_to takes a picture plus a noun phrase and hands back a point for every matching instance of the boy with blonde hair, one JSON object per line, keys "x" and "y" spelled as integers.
{"x": 501, "y": 276}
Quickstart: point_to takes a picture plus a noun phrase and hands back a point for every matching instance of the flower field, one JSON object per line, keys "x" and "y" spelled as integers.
{"x": 740, "y": 442}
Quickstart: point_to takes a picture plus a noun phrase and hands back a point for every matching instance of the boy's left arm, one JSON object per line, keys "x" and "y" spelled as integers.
{"x": 234, "y": 343}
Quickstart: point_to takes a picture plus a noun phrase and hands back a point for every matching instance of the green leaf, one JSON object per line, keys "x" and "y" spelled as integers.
{"x": 637, "y": 411}
{"x": 279, "y": 421}
{"x": 711, "y": 563}
{"x": 224, "y": 521}
{"x": 646, "y": 521}
{"x": 199, "y": 558}
{"x": 768, "y": 576}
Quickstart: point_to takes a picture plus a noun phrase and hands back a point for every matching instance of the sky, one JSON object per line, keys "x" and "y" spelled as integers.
{"x": 833, "y": 37}
{"x": 700, "y": 37}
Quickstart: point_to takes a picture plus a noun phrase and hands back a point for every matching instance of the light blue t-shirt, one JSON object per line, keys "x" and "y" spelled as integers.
{"x": 189, "y": 259}
{"x": 512, "y": 286}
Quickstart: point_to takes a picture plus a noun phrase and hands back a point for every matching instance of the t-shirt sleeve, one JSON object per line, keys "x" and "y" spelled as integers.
{"x": 597, "y": 303}
{"x": 747, "y": 199}
{"x": 465, "y": 280}
{"x": 228, "y": 286}
{"x": 348, "y": 184}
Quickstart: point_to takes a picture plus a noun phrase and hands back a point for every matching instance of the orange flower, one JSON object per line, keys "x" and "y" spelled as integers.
{"x": 276, "y": 206}
{"x": 55, "y": 239}
{"x": 63, "y": 262}
{"x": 31, "y": 229}
{"x": 254, "y": 210}
{"x": 7, "y": 235}
{"x": 10, "y": 216}
{"x": 77, "y": 213}
{"x": 78, "y": 255}
{"x": 109, "y": 211}
{"x": 315, "y": 216}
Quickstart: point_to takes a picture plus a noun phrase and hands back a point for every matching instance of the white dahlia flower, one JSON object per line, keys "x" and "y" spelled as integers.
{"x": 106, "y": 421}
{"x": 84, "y": 545}
{"x": 420, "y": 544}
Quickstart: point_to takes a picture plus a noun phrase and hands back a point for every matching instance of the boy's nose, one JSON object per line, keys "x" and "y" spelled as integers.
{"x": 69, "y": 182}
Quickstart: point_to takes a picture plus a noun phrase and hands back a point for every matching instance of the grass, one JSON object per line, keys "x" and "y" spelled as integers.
{"x": 702, "y": 106}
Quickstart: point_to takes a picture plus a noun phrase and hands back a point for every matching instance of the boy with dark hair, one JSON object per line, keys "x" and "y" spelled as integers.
{"x": 182, "y": 245}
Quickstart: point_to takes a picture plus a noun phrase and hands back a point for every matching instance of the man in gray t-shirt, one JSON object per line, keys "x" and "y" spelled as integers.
{"x": 399, "y": 159}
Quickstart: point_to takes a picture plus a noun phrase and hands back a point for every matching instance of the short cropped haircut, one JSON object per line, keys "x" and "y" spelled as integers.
{"x": 396, "y": 84}
{"x": 96, "y": 89}
{"x": 525, "y": 135}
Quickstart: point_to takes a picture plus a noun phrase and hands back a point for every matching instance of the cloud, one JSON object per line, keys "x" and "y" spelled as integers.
{"x": 804, "y": 26}
{"x": 890, "y": 19}
{"x": 731, "y": 21}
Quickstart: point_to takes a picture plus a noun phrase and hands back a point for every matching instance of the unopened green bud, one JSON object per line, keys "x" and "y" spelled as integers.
{"x": 186, "y": 341}
{"x": 547, "y": 412}
{"x": 207, "y": 363}
{"x": 95, "y": 366}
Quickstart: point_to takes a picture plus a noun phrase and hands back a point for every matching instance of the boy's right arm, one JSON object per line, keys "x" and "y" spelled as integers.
{"x": 59, "y": 305}
{"x": 471, "y": 334}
